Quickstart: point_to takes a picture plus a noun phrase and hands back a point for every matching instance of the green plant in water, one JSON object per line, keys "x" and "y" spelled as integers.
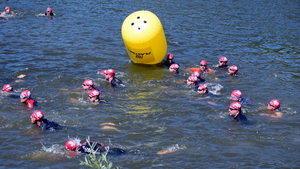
{"x": 94, "y": 161}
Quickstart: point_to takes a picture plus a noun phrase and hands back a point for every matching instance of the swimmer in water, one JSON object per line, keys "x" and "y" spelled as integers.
{"x": 235, "y": 110}
{"x": 110, "y": 77}
{"x": 202, "y": 89}
{"x": 49, "y": 12}
{"x": 223, "y": 62}
{"x": 37, "y": 118}
{"x": 192, "y": 80}
{"x": 88, "y": 147}
{"x": 204, "y": 68}
{"x": 233, "y": 70}
{"x": 6, "y": 12}
{"x": 7, "y": 88}
{"x": 198, "y": 74}
{"x": 236, "y": 95}
{"x": 88, "y": 85}
{"x": 169, "y": 60}
{"x": 273, "y": 109}
{"x": 94, "y": 96}
{"x": 25, "y": 97}
{"x": 174, "y": 68}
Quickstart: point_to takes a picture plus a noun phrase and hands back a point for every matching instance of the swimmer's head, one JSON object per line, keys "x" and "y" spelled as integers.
{"x": 71, "y": 145}
{"x": 274, "y": 104}
{"x": 174, "y": 67}
{"x": 87, "y": 84}
{"x": 222, "y": 61}
{"x": 49, "y": 10}
{"x": 111, "y": 72}
{"x": 203, "y": 65}
{"x": 197, "y": 74}
{"x": 37, "y": 115}
{"x": 25, "y": 94}
{"x": 236, "y": 95}
{"x": 233, "y": 70}
{"x": 202, "y": 89}
{"x": 170, "y": 56}
{"x": 235, "y": 108}
{"x": 7, "y": 88}
{"x": 192, "y": 80}
{"x": 94, "y": 93}
{"x": 6, "y": 8}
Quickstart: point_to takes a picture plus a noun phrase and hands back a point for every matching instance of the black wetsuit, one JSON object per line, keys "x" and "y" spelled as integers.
{"x": 49, "y": 125}
{"x": 51, "y": 14}
{"x": 240, "y": 118}
{"x": 116, "y": 82}
{"x": 168, "y": 64}
{"x": 85, "y": 148}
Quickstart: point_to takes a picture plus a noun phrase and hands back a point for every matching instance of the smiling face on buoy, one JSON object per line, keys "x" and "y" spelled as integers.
{"x": 144, "y": 38}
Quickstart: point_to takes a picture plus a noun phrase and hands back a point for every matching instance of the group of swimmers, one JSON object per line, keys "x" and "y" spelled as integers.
{"x": 8, "y": 13}
{"x": 38, "y": 117}
{"x": 235, "y": 108}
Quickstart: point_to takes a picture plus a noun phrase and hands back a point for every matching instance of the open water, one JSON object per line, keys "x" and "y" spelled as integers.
{"x": 156, "y": 111}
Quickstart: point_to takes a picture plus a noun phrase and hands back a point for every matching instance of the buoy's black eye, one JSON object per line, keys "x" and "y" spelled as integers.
{"x": 145, "y": 21}
{"x": 138, "y": 17}
{"x": 139, "y": 28}
{"x": 132, "y": 24}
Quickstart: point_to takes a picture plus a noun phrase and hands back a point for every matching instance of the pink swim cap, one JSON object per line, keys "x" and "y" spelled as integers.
{"x": 49, "y": 9}
{"x": 7, "y": 88}
{"x": 71, "y": 145}
{"x": 25, "y": 93}
{"x": 88, "y": 82}
{"x": 94, "y": 93}
{"x": 203, "y": 62}
{"x": 193, "y": 78}
{"x": 275, "y": 103}
{"x": 170, "y": 56}
{"x": 235, "y": 105}
{"x": 37, "y": 115}
{"x": 174, "y": 66}
{"x": 236, "y": 93}
{"x": 7, "y": 8}
{"x": 223, "y": 58}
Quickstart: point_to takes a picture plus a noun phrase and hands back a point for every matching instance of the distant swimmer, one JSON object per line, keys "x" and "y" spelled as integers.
{"x": 48, "y": 12}
{"x": 202, "y": 89}
{"x": 7, "y": 88}
{"x": 25, "y": 97}
{"x": 233, "y": 70}
{"x": 89, "y": 147}
{"x": 174, "y": 67}
{"x": 235, "y": 110}
{"x": 88, "y": 84}
{"x": 169, "y": 60}
{"x": 236, "y": 95}
{"x": 37, "y": 118}
{"x": 7, "y": 12}
{"x": 94, "y": 96}
{"x": 273, "y": 109}
{"x": 223, "y": 62}
{"x": 110, "y": 77}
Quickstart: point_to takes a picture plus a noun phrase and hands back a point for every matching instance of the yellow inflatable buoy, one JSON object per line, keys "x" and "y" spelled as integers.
{"x": 144, "y": 38}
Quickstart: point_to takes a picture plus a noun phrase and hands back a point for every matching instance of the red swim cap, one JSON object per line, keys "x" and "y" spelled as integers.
{"x": 94, "y": 93}
{"x": 233, "y": 68}
{"x": 174, "y": 66}
{"x": 170, "y": 56}
{"x": 193, "y": 78}
{"x": 235, "y": 105}
{"x": 71, "y": 145}
{"x": 197, "y": 73}
{"x": 7, "y": 88}
{"x": 203, "y": 86}
{"x": 49, "y": 9}
{"x": 275, "y": 103}
{"x": 88, "y": 82}
{"x": 203, "y": 62}
{"x": 25, "y": 93}
{"x": 7, "y": 8}
{"x": 223, "y": 58}
{"x": 236, "y": 93}
{"x": 37, "y": 115}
